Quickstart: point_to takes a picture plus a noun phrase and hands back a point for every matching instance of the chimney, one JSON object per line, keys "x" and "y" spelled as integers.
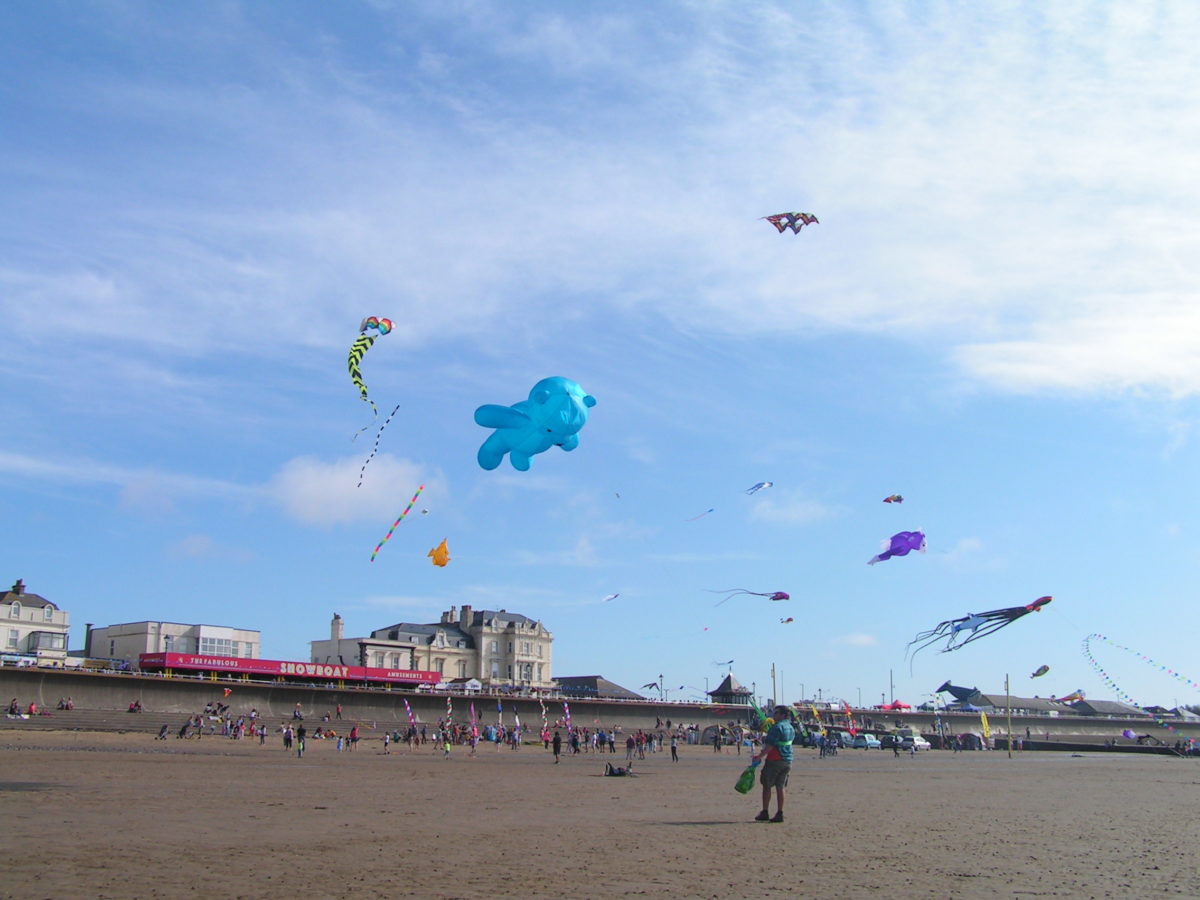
{"x": 337, "y": 628}
{"x": 464, "y": 617}
{"x": 19, "y": 587}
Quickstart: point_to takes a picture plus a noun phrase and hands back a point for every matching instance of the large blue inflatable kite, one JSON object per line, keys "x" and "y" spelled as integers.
{"x": 552, "y": 416}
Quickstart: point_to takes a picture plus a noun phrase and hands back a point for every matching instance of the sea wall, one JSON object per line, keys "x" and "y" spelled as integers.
{"x": 184, "y": 696}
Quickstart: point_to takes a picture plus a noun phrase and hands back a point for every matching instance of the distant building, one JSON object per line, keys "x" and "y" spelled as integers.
{"x": 496, "y": 647}
{"x": 1021, "y": 705}
{"x": 594, "y": 687}
{"x": 131, "y": 639}
{"x": 731, "y": 692}
{"x": 34, "y": 627}
{"x": 1108, "y": 708}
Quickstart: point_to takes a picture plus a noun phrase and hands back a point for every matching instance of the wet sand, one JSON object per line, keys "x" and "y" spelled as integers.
{"x": 125, "y": 816}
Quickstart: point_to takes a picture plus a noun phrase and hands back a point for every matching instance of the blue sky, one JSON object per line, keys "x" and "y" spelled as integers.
{"x": 995, "y": 317}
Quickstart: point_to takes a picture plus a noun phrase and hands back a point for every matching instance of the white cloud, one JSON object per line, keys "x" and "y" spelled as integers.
{"x": 318, "y": 492}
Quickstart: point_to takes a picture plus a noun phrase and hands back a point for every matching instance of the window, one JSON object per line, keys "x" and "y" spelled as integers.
{"x": 112, "y": 649}
{"x": 13, "y": 636}
{"x": 495, "y": 670}
{"x": 510, "y": 673}
{"x": 539, "y": 671}
{"x": 526, "y": 647}
{"x": 14, "y": 611}
{"x": 510, "y": 646}
{"x": 218, "y": 647}
{"x": 47, "y": 640}
{"x": 539, "y": 651}
{"x": 378, "y": 660}
{"x": 462, "y": 668}
{"x": 439, "y": 666}
{"x": 48, "y": 613}
{"x": 169, "y": 643}
{"x": 395, "y": 661}
{"x": 495, "y": 646}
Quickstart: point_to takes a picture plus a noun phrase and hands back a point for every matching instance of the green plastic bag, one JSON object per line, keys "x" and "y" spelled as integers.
{"x": 746, "y": 780}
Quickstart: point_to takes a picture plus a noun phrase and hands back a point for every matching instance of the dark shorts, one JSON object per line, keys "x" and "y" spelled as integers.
{"x": 775, "y": 773}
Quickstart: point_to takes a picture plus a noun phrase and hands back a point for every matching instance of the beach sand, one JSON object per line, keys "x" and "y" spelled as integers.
{"x": 125, "y": 816}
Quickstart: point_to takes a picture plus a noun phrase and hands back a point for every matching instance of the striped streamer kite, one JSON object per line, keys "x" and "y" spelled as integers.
{"x": 397, "y": 522}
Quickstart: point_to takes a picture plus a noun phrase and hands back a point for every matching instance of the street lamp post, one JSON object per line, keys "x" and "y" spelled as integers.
{"x": 661, "y": 695}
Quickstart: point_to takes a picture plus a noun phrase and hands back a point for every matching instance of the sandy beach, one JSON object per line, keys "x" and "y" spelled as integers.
{"x": 125, "y": 816}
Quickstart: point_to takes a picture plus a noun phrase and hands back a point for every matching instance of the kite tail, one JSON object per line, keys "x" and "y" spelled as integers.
{"x": 397, "y": 522}
{"x": 375, "y": 449}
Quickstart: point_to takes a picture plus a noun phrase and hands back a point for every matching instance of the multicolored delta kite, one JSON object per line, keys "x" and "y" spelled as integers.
{"x": 755, "y": 488}
{"x": 1040, "y": 671}
{"x": 440, "y": 554}
{"x": 977, "y": 624}
{"x": 894, "y": 498}
{"x": 792, "y": 220}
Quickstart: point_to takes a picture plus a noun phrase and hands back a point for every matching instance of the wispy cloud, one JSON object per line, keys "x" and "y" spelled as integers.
{"x": 856, "y": 639}
{"x": 201, "y": 546}
{"x": 1027, "y": 208}
{"x": 582, "y": 553}
{"x": 310, "y": 490}
{"x": 790, "y": 507}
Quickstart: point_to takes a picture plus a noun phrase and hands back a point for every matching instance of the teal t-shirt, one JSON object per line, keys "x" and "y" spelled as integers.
{"x": 780, "y": 737}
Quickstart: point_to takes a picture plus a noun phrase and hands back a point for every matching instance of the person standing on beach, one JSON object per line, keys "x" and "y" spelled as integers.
{"x": 777, "y": 756}
{"x": 353, "y": 737}
{"x": 674, "y": 748}
{"x": 301, "y": 732}
{"x": 557, "y": 747}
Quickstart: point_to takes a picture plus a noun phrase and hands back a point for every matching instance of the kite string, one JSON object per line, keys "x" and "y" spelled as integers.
{"x": 375, "y": 449}
{"x": 1108, "y": 680}
{"x": 397, "y": 522}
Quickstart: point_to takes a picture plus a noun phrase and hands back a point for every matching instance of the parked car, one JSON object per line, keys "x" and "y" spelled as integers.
{"x": 864, "y": 741}
{"x": 915, "y": 740}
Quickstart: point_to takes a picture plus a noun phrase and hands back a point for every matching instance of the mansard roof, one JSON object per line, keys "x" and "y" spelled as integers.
{"x": 424, "y": 634}
{"x": 18, "y": 594}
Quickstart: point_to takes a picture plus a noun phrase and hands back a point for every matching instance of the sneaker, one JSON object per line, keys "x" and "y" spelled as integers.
{"x": 778, "y": 817}
{"x": 763, "y": 816}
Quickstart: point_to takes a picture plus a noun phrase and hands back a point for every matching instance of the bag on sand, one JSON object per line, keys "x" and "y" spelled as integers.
{"x": 746, "y": 780}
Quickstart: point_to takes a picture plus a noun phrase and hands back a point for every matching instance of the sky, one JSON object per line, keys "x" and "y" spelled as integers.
{"x": 995, "y": 317}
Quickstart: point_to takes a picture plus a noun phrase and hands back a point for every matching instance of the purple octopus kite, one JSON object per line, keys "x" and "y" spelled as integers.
{"x": 900, "y": 544}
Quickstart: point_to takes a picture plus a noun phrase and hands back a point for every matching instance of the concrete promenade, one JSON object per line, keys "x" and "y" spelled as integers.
{"x": 166, "y": 700}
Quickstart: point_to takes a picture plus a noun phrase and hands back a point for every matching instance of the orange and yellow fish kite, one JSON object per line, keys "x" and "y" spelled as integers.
{"x": 440, "y": 554}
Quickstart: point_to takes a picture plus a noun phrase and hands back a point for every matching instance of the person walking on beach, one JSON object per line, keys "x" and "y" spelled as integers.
{"x": 301, "y": 733}
{"x": 777, "y": 756}
{"x": 674, "y": 748}
{"x": 557, "y": 747}
{"x": 353, "y": 737}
